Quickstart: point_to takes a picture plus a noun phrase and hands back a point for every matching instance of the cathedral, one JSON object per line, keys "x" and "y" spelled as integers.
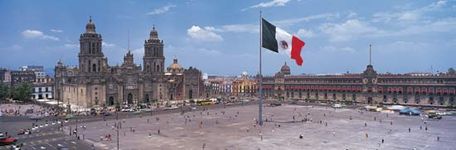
{"x": 96, "y": 84}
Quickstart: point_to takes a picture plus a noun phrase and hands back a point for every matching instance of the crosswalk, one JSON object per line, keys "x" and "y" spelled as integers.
{"x": 34, "y": 135}
{"x": 38, "y": 126}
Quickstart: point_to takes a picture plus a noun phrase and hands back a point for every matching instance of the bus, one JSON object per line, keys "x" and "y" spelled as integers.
{"x": 204, "y": 102}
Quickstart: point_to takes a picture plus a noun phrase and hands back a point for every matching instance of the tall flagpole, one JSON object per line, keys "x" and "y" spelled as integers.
{"x": 260, "y": 102}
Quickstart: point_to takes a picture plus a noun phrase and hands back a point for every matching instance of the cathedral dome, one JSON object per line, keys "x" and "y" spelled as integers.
{"x": 285, "y": 69}
{"x": 175, "y": 67}
{"x": 153, "y": 33}
{"x": 90, "y": 27}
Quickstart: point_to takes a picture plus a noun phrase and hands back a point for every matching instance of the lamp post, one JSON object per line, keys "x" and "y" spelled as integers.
{"x": 118, "y": 128}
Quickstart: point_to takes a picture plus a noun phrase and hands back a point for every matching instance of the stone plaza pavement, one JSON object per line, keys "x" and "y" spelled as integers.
{"x": 327, "y": 128}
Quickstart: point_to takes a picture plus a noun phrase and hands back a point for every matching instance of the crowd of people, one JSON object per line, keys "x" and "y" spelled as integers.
{"x": 26, "y": 110}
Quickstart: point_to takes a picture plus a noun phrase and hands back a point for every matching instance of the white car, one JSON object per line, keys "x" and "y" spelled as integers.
{"x": 146, "y": 110}
{"x": 127, "y": 110}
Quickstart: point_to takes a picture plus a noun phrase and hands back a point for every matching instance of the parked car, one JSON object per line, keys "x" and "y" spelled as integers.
{"x": 127, "y": 109}
{"x": 6, "y": 140}
{"x": 434, "y": 115}
{"x": 274, "y": 104}
{"x": 410, "y": 111}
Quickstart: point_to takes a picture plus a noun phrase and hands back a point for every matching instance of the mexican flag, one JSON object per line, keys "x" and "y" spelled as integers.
{"x": 278, "y": 40}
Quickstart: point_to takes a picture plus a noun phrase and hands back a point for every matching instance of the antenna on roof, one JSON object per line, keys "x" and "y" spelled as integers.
{"x": 370, "y": 54}
{"x": 128, "y": 40}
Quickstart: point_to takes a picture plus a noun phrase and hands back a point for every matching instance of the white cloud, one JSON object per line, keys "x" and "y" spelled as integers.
{"x": 352, "y": 15}
{"x": 303, "y": 33}
{"x": 250, "y": 28}
{"x": 71, "y": 45}
{"x": 348, "y": 30}
{"x": 210, "y": 52}
{"x": 105, "y": 44}
{"x": 292, "y": 21}
{"x": 161, "y": 10}
{"x": 56, "y": 30}
{"x": 336, "y": 49}
{"x": 273, "y": 3}
{"x": 12, "y": 47}
{"x": 36, "y": 34}
{"x": 15, "y": 46}
{"x": 408, "y": 16}
{"x": 441, "y": 26}
{"x": 204, "y": 34}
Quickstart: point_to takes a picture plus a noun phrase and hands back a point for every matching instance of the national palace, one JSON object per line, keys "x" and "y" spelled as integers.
{"x": 368, "y": 87}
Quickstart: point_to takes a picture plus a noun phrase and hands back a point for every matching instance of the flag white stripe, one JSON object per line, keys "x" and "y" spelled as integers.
{"x": 283, "y": 41}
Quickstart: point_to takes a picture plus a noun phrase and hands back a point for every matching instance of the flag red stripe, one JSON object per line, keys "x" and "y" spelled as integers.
{"x": 297, "y": 45}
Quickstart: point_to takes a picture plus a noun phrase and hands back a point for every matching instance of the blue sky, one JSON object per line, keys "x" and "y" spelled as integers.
{"x": 221, "y": 37}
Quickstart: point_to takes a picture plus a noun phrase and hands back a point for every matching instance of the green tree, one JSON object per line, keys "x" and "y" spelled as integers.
{"x": 22, "y": 92}
{"x": 4, "y": 91}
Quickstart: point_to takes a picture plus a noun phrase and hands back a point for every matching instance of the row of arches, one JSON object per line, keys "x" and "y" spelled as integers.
{"x": 128, "y": 101}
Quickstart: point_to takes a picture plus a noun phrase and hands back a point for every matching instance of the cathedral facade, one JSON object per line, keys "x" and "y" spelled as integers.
{"x": 96, "y": 84}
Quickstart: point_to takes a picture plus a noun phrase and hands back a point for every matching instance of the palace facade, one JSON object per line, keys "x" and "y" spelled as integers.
{"x": 369, "y": 87}
{"x": 95, "y": 84}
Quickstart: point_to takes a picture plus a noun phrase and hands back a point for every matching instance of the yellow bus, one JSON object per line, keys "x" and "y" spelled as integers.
{"x": 204, "y": 102}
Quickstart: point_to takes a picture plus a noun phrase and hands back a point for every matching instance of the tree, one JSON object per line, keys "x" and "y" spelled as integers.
{"x": 4, "y": 91}
{"x": 451, "y": 71}
{"x": 22, "y": 92}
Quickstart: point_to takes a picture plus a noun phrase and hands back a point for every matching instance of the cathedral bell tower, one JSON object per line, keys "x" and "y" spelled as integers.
{"x": 91, "y": 57}
{"x": 153, "y": 55}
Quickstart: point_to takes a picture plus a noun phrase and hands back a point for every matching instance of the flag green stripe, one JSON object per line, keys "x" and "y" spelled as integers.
{"x": 268, "y": 36}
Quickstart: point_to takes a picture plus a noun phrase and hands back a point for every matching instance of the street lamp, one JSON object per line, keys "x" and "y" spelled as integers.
{"x": 118, "y": 128}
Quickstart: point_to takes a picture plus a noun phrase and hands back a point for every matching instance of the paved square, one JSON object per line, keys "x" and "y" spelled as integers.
{"x": 327, "y": 128}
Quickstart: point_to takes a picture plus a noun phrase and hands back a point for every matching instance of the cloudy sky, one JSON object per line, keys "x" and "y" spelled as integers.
{"x": 221, "y": 37}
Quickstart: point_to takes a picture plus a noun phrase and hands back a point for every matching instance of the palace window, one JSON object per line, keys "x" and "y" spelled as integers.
{"x": 451, "y": 101}
{"x": 431, "y": 100}
{"x": 417, "y": 99}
